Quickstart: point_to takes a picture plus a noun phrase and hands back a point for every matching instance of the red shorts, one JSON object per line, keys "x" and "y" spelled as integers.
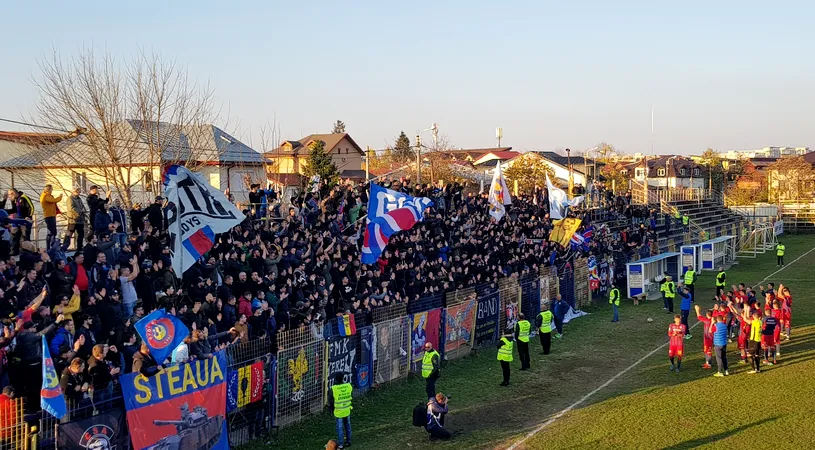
{"x": 777, "y": 334}
{"x": 787, "y": 318}
{"x": 676, "y": 350}
{"x": 742, "y": 341}
{"x": 707, "y": 346}
{"x": 767, "y": 341}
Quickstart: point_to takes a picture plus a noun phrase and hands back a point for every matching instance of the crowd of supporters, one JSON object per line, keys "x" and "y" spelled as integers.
{"x": 283, "y": 267}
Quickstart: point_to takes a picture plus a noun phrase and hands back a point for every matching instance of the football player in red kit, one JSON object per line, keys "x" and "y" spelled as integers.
{"x": 779, "y": 317}
{"x": 707, "y": 341}
{"x": 676, "y": 347}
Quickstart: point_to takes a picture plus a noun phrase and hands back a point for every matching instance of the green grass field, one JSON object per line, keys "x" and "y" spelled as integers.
{"x": 645, "y": 407}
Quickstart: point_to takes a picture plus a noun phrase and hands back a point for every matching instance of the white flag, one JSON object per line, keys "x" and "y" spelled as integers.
{"x": 196, "y": 212}
{"x": 557, "y": 200}
{"x": 499, "y": 194}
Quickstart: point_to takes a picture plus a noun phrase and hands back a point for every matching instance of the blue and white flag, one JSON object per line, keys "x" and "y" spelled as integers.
{"x": 51, "y": 399}
{"x": 389, "y": 211}
{"x": 196, "y": 212}
{"x": 162, "y": 333}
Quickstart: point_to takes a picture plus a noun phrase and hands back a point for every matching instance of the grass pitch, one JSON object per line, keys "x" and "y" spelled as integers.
{"x": 646, "y": 407}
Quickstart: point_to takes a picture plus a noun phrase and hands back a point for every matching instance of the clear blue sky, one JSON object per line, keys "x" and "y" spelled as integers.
{"x": 727, "y": 74}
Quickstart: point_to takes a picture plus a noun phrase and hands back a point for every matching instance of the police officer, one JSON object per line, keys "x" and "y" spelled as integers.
{"x": 670, "y": 293}
{"x": 779, "y": 252}
{"x": 430, "y": 369}
{"x": 340, "y": 401}
{"x": 690, "y": 280}
{"x": 544, "y": 324}
{"x": 721, "y": 281}
{"x": 614, "y": 301}
{"x": 505, "y": 345}
{"x": 522, "y": 331}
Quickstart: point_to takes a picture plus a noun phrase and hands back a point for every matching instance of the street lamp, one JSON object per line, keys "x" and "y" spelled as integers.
{"x": 569, "y": 166}
{"x": 435, "y": 132}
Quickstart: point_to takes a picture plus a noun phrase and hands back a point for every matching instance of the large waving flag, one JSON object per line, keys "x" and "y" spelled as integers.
{"x": 51, "y": 399}
{"x": 196, "y": 212}
{"x": 564, "y": 230}
{"x": 388, "y": 212}
{"x": 162, "y": 333}
{"x": 559, "y": 201}
{"x": 499, "y": 194}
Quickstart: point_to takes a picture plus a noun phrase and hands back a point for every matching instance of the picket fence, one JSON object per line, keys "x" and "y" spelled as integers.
{"x": 299, "y": 365}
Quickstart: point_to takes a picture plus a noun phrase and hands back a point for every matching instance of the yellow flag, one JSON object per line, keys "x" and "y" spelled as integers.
{"x": 563, "y": 231}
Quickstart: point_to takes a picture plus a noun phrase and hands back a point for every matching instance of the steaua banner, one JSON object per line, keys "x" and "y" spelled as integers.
{"x": 181, "y": 407}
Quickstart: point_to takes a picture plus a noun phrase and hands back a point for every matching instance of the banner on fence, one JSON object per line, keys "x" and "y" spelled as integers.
{"x": 105, "y": 431}
{"x": 425, "y": 328}
{"x": 544, "y": 292}
{"x": 458, "y": 325}
{"x": 342, "y": 355}
{"x": 604, "y": 277}
{"x": 183, "y": 406}
{"x": 244, "y": 386}
{"x": 512, "y": 315}
{"x": 390, "y": 353}
{"x": 300, "y": 381}
{"x": 486, "y": 320}
{"x": 365, "y": 368}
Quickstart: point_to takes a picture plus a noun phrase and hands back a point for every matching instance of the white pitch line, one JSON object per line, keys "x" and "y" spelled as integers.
{"x": 623, "y": 372}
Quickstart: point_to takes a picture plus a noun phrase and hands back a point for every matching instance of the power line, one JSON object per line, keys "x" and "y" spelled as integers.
{"x": 32, "y": 125}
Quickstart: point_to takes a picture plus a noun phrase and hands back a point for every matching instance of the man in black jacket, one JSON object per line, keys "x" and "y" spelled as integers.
{"x": 101, "y": 372}
{"x": 29, "y": 352}
{"x": 94, "y": 202}
{"x": 155, "y": 215}
{"x": 144, "y": 363}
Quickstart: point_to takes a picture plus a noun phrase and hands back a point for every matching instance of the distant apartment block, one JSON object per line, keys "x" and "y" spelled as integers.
{"x": 768, "y": 152}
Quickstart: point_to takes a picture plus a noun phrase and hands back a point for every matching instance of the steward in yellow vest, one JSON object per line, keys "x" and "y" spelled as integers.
{"x": 544, "y": 323}
{"x": 721, "y": 280}
{"x": 523, "y": 329}
{"x": 779, "y": 252}
{"x": 690, "y": 280}
{"x": 340, "y": 401}
{"x": 505, "y": 345}
{"x": 430, "y": 369}
{"x": 614, "y": 301}
{"x": 670, "y": 293}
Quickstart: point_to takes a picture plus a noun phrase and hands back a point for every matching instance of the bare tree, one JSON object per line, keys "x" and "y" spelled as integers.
{"x": 131, "y": 119}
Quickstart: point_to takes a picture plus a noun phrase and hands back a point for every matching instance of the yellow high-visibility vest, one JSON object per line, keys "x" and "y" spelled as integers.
{"x": 427, "y": 363}
{"x": 342, "y": 399}
{"x": 523, "y": 330}
{"x": 505, "y": 352}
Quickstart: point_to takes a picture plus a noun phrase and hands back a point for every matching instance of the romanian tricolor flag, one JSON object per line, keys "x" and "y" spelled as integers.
{"x": 346, "y": 325}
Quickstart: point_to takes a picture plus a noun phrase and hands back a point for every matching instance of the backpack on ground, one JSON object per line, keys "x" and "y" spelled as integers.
{"x": 420, "y": 415}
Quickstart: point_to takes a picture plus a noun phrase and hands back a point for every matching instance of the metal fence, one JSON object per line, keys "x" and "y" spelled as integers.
{"x": 278, "y": 381}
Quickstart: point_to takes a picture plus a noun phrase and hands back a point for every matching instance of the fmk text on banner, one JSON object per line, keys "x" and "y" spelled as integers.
{"x": 182, "y": 406}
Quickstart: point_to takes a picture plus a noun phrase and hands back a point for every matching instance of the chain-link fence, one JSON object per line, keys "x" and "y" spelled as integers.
{"x": 251, "y": 376}
{"x": 391, "y": 350}
{"x": 15, "y": 433}
{"x": 277, "y": 381}
{"x": 300, "y": 376}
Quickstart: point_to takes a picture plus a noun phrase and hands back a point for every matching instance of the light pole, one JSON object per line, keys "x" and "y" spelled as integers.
{"x": 435, "y": 130}
{"x": 569, "y": 165}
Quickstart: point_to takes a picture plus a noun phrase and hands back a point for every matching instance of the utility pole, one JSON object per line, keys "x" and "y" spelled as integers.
{"x": 367, "y": 163}
{"x": 418, "y": 159}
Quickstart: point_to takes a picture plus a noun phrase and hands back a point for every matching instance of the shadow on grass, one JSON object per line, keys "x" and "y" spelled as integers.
{"x": 718, "y": 436}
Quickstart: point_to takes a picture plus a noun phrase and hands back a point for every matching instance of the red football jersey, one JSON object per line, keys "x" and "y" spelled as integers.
{"x": 677, "y": 334}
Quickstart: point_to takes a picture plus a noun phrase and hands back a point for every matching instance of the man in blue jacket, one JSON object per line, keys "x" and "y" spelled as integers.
{"x": 687, "y": 300}
{"x": 559, "y": 311}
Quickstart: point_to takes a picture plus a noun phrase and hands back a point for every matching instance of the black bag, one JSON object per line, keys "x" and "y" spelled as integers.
{"x": 420, "y": 415}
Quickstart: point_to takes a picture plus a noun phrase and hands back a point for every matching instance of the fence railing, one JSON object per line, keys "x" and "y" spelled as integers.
{"x": 297, "y": 367}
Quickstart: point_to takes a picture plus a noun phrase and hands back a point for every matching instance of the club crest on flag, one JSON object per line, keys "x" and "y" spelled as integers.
{"x": 162, "y": 333}
{"x": 51, "y": 399}
{"x": 158, "y": 332}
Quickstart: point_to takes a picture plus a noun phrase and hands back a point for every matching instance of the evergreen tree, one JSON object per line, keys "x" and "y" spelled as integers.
{"x": 339, "y": 127}
{"x": 402, "y": 151}
{"x": 319, "y": 163}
